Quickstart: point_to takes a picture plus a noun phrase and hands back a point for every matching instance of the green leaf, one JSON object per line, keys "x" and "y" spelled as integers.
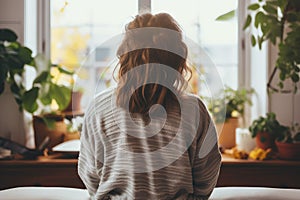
{"x": 282, "y": 76}
{"x": 295, "y": 77}
{"x": 46, "y": 100}
{"x": 8, "y": 35}
{"x": 44, "y": 94}
{"x": 274, "y": 3}
{"x": 270, "y": 9}
{"x": 29, "y": 100}
{"x": 25, "y": 55}
{"x": 62, "y": 70}
{"x": 61, "y": 94}
{"x": 227, "y": 16}
{"x": 265, "y": 28}
{"x": 259, "y": 17}
{"x": 16, "y": 90}
{"x": 248, "y": 22}
{"x": 253, "y": 40}
{"x": 254, "y": 6}
{"x": 14, "y": 45}
{"x": 43, "y": 77}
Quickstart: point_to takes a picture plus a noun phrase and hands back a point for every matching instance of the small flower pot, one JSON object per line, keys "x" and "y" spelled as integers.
{"x": 288, "y": 151}
{"x": 265, "y": 140}
{"x": 226, "y": 134}
{"x": 57, "y": 135}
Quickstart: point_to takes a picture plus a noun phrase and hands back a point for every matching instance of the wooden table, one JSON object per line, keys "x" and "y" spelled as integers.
{"x": 268, "y": 173}
{"x": 42, "y": 172}
{"x": 47, "y": 171}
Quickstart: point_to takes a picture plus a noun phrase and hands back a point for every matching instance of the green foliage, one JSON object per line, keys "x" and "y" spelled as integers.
{"x": 232, "y": 105}
{"x": 227, "y": 16}
{"x": 278, "y": 21}
{"x": 13, "y": 58}
{"x": 292, "y": 134}
{"x": 268, "y": 124}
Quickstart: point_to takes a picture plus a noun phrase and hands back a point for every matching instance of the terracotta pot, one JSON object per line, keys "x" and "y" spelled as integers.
{"x": 288, "y": 151}
{"x": 57, "y": 135}
{"x": 265, "y": 140}
{"x": 74, "y": 104}
{"x": 226, "y": 134}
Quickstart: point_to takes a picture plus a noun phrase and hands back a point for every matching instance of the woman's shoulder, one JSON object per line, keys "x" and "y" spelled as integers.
{"x": 194, "y": 99}
{"x": 104, "y": 95}
{"x": 101, "y": 101}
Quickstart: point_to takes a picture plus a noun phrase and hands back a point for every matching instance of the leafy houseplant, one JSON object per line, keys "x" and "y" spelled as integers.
{"x": 234, "y": 101}
{"x": 279, "y": 22}
{"x": 38, "y": 99}
{"x": 13, "y": 58}
{"x": 232, "y": 107}
{"x": 67, "y": 78}
{"x": 266, "y": 130}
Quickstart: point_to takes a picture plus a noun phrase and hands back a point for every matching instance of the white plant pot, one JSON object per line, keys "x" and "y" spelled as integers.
{"x": 243, "y": 140}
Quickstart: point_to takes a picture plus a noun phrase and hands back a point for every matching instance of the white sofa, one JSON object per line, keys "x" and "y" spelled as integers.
{"x": 224, "y": 193}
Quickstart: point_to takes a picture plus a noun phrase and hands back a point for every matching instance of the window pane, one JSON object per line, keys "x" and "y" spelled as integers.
{"x": 77, "y": 27}
{"x": 78, "y": 30}
{"x": 217, "y": 38}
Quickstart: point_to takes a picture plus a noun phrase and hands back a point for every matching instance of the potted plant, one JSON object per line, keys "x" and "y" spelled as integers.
{"x": 266, "y": 130}
{"x": 45, "y": 99}
{"x": 278, "y": 21}
{"x": 289, "y": 145}
{"x": 51, "y": 98}
{"x": 232, "y": 105}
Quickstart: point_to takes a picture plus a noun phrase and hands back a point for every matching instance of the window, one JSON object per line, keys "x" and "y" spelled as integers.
{"x": 218, "y": 39}
{"x": 78, "y": 27}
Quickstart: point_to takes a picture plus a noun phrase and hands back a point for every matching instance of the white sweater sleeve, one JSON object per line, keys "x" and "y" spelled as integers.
{"x": 207, "y": 160}
{"x": 87, "y": 162}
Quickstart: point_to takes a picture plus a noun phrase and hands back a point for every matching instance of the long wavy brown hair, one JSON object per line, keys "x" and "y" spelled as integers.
{"x": 140, "y": 100}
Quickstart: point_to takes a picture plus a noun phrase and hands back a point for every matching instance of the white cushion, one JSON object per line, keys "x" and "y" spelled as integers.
{"x": 44, "y": 193}
{"x": 256, "y": 193}
{"x": 219, "y": 193}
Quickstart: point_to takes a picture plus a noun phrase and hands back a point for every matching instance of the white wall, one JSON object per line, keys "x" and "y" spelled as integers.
{"x": 11, "y": 120}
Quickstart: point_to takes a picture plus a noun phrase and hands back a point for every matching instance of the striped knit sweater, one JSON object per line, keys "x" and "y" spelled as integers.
{"x": 172, "y": 156}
